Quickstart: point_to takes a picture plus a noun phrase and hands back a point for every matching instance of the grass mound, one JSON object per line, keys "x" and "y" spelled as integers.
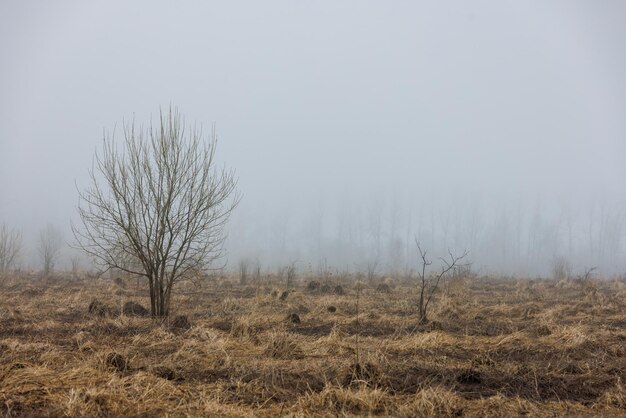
{"x": 134, "y": 309}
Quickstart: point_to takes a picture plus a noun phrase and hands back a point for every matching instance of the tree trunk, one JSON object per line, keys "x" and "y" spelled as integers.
{"x": 159, "y": 299}
{"x": 422, "y": 308}
{"x": 153, "y": 310}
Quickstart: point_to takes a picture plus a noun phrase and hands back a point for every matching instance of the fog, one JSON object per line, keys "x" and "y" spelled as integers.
{"x": 355, "y": 127}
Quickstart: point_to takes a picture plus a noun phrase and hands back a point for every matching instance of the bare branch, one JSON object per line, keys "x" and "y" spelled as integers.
{"x": 10, "y": 244}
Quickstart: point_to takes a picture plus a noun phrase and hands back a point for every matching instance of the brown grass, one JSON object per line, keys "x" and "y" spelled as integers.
{"x": 493, "y": 347}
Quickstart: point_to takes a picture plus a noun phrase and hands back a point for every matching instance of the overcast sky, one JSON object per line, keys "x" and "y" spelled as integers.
{"x": 320, "y": 100}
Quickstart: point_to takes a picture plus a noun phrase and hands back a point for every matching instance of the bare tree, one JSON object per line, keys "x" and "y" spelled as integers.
{"x": 159, "y": 201}
{"x": 75, "y": 262}
{"x": 50, "y": 242}
{"x": 561, "y": 268}
{"x": 372, "y": 267}
{"x": 10, "y": 244}
{"x": 428, "y": 284}
{"x": 256, "y": 271}
{"x": 291, "y": 274}
{"x": 243, "y": 271}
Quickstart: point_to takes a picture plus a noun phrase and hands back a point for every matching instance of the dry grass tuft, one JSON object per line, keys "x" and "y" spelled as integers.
{"x": 343, "y": 401}
{"x": 338, "y": 290}
{"x": 293, "y": 318}
{"x": 134, "y": 309}
{"x": 283, "y": 345}
{"x": 383, "y": 288}
{"x": 615, "y": 396}
{"x": 98, "y": 308}
{"x": 244, "y": 330}
{"x": 115, "y": 362}
{"x": 433, "y": 402}
{"x": 180, "y": 323}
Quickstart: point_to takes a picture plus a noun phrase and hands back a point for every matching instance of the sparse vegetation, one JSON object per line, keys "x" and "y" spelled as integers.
{"x": 488, "y": 350}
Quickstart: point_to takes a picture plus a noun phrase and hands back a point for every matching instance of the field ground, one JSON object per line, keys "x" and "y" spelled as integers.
{"x": 493, "y": 347}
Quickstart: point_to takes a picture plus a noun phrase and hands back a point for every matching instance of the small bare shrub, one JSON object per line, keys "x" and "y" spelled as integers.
{"x": 291, "y": 275}
{"x": 428, "y": 285}
{"x": 561, "y": 268}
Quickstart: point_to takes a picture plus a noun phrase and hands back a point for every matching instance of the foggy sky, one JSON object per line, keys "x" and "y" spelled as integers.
{"x": 335, "y": 107}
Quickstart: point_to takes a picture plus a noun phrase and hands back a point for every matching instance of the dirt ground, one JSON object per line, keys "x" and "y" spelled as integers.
{"x": 492, "y": 347}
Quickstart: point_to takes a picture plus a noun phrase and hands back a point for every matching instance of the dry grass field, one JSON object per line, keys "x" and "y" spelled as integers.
{"x": 493, "y": 347}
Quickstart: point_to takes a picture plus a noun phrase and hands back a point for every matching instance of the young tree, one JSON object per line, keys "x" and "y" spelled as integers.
{"x": 159, "y": 201}
{"x": 428, "y": 285}
{"x": 10, "y": 243}
{"x": 243, "y": 271}
{"x": 561, "y": 268}
{"x": 50, "y": 242}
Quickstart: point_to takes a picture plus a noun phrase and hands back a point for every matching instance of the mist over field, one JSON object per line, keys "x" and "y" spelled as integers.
{"x": 312, "y": 208}
{"x": 355, "y": 128}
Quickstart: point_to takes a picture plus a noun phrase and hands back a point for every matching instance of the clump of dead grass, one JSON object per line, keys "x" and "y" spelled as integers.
{"x": 614, "y": 397}
{"x": 576, "y": 337}
{"x": 447, "y": 308}
{"x": 115, "y": 362}
{"x": 282, "y": 345}
{"x": 230, "y": 306}
{"x": 432, "y": 402}
{"x": 114, "y": 397}
{"x": 502, "y": 406}
{"x": 180, "y": 323}
{"x": 198, "y": 355}
{"x": 244, "y": 330}
{"x": 347, "y": 401}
